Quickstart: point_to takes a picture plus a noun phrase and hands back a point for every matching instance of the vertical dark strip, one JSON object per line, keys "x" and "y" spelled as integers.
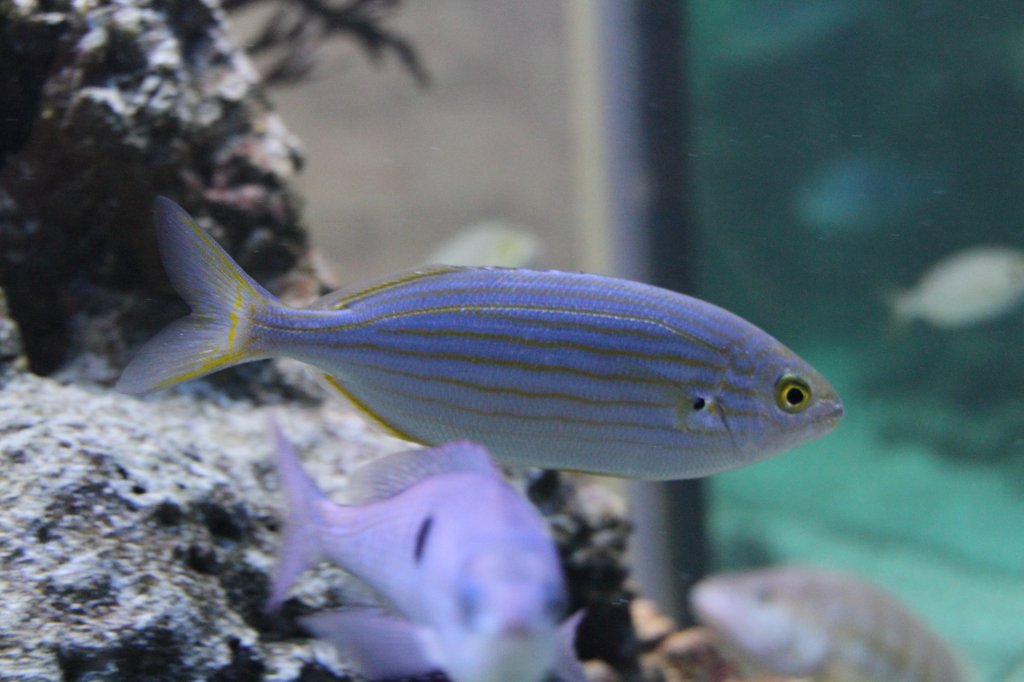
{"x": 421, "y": 538}
{"x": 665, "y": 128}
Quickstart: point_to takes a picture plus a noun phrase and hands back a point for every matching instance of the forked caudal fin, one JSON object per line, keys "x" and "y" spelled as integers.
{"x": 222, "y": 297}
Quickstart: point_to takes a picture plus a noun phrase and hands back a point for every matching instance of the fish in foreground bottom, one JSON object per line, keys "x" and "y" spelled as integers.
{"x": 826, "y": 625}
{"x": 551, "y": 369}
{"x": 464, "y": 560}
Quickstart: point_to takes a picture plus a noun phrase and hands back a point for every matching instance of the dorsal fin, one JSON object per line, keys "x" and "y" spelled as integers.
{"x": 390, "y": 475}
{"x": 346, "y": 296}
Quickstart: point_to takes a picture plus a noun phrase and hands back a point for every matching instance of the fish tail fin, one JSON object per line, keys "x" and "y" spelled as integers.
{"x": 300, "y": 546}
{"x": 902, "y": 306}
{"x": 902, "y": 311}
{"x": 223, "y": 300}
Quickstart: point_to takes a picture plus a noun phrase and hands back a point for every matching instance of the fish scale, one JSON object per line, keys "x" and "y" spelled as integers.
{"x": 545, "y": 368}
{"x": 544, "y": 292}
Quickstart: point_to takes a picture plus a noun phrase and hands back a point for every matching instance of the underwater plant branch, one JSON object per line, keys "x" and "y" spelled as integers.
{"x": 301, "y": 34}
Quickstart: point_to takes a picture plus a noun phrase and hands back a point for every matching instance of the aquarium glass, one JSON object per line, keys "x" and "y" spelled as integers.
{"x": 847, "y": 152}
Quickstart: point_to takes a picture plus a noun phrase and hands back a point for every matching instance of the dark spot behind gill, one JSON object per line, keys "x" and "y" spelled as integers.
{"x": 421, "y": 538}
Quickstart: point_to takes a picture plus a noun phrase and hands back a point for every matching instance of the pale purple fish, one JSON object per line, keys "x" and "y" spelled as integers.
{"x": 822, "y": 624}
{"x": 471, "y": 578}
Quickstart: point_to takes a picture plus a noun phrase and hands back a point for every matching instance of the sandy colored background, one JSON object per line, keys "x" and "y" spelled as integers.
{"x": 394, "y": 169}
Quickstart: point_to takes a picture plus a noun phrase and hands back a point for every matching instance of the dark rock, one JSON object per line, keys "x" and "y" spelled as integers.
{"x": 12, "y": 357}
{"x": 589, "y": 524}
{"x": 106, "y": 105}
{"x": 136, "y": 538}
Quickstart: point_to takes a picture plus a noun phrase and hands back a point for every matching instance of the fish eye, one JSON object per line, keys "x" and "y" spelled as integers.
{"x": 792, "y": 394}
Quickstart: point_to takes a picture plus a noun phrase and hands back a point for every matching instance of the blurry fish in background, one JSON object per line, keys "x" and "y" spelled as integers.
{"x": 488, "y": 243}
{"x": 492, "y": 242}
{"x": 552, "y": 369}
{"x": 826, "y": 625}
{"x": 465, "y": 561}
{"x": 760, "y": 32}
{"x": 323, "y": 268}
{"x": 972, "y": 286}
{"x": 864, "y": 192}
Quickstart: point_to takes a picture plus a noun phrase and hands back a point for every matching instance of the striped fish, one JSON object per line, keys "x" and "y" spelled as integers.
{"x": 551, "y": 369}
{"x": 824, "y": 625}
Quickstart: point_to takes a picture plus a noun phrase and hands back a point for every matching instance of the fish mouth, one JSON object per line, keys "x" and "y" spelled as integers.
{"x": 829, "y": 419}
{"x": 711, "y": 605}
{"x": 836, "y": 413}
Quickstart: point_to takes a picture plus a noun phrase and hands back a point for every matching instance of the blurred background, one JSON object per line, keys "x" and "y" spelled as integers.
{"x": 395, "y": 169}
{"x": 824, "y": 168}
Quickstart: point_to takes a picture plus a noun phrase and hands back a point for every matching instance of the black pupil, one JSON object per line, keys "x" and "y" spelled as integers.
{"x": 795, "y": 395}
{"x": 698, "y": 404}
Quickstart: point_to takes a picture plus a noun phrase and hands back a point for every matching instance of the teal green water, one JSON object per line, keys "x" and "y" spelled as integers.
{"x": 841, "y": 148}
{"x": 943, "y": 535}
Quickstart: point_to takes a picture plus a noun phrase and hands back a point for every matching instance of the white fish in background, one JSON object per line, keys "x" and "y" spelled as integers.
{"x": 976, "y": 285}
{"x": 464, "y": 560}
{"x": 491, "y": 242}
{"x": 826, "y": 625}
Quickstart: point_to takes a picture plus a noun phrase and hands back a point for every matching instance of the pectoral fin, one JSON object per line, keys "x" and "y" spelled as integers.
{"x": 383, "y": 646}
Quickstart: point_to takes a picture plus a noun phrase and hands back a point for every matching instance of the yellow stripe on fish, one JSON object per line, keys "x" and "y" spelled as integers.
{"x": 552, "y": 369}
